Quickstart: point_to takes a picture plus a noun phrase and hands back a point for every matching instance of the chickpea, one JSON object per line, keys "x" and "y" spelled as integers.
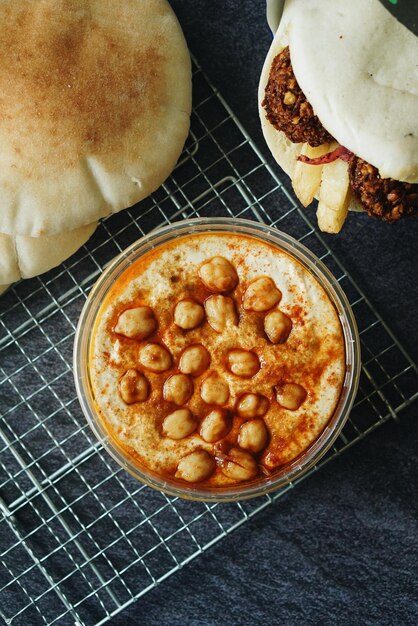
{"x": 261, "y": 295}
{"x": 138, "y": 323}
{"x": 252, "y": 405}
{"x": 218, "y": 274}
{"x": 133, "y": 387}
{"x": 253, "y": 436}
{"x": 277, "y": 326}
{"x": 239, "y": 465}
{"x": 155, "y": 357}
{"x": 188, "y": 314}
{"x": 214, "y": 390}
{"x": 196, "y": 466}
{"x": 178, "y": 389}
{"x": 221, "y": 312}
{"x": 179, "y": 424}
{"x": 243, "y": 363}
{"x": 215, "y": 426}
{"x": 290, "y": 395}
{"x": 194, "y": 360}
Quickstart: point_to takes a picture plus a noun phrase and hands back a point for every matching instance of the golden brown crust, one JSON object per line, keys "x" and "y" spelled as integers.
{"x": 81, "y": 85}
{"x": 87, "y": 85}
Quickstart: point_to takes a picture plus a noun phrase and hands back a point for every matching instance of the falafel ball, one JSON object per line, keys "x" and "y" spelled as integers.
{"x": 286, "y": 107}
{"x": 386, "y": 198}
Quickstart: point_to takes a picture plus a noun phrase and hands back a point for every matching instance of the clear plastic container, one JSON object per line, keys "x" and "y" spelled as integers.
{"x": 283, "y": 475}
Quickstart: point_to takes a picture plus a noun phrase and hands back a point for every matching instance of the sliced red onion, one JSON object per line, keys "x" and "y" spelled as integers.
{"x": 338, "y": 153}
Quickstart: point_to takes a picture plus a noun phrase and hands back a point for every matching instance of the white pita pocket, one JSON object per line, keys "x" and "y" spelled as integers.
{"x": 357, "y": 66}
{"x": 25, "y": 257}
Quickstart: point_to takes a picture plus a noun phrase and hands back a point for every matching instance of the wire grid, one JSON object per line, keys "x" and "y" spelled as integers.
{"x": 81, "y": 538}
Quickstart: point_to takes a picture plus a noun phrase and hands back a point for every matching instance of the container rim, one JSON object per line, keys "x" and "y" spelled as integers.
{"x": 307, "y": 459}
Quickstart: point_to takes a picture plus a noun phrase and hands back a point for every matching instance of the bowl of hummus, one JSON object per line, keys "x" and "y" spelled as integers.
{"x": 216, "y": 359}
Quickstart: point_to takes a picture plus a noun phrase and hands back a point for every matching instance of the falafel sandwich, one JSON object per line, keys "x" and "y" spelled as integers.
{"x": 338, "y": 102}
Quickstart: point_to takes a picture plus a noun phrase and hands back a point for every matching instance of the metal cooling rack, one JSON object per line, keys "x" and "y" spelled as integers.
{"x": 81, "y": 539}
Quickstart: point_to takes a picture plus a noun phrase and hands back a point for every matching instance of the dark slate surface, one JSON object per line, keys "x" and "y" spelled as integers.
{"x": 342, "y": 547}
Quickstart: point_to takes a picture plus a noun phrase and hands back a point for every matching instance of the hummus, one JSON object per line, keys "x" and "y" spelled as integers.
{"x": 271, "y": 368}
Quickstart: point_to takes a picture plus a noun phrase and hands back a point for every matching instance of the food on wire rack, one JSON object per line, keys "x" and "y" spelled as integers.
{"x": 96, "y": 101}
{"x": 217, "y": 395}
{"x": 23, "y": 256}
{"x": 338, "y": 102}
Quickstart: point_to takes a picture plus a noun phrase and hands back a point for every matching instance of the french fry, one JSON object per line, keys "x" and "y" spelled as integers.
{"x": 307, "y": 178}
{"x": 334, "y": 196}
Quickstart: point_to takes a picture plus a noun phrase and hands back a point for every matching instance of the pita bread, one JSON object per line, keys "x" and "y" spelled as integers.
{"x": 367, "y": 96}
{"x": 95, "y": 101}
{"x": 3, "y": 288}
{"x": 24, "y": 257}
{"x": 283, "y": 150}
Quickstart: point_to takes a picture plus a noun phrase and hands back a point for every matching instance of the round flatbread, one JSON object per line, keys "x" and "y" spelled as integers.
{"x": 95, "y": 108}
{"x": 24, "y": 257}
{"x": 3, "y": 288}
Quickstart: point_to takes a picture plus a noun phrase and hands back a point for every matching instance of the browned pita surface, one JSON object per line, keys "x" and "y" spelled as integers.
{"x": 95, "y": 101}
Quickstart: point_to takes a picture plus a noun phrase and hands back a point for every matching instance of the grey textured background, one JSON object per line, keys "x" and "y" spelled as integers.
{"x": 342, "y": 547}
